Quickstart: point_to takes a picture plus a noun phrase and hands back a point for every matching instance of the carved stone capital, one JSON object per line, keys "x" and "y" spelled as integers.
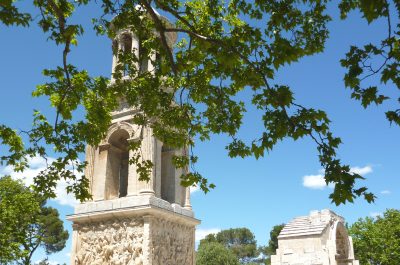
{"x": 104, "y": 147}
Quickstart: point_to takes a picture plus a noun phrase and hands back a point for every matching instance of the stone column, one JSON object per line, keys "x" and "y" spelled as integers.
{"x": 89, "y": 169}
{"x": 187, "y": 204}
{"x": 148, "y": 145}
{"x": 147, "y": 187}
{"x": 157, "y": 167}
{"x": 152, "y": 62}
{"x": 135, "y": 50}
{"x": 100, "y": 172}
{"x": 133, "y": 181}
{"x": 187, "y": 199}
{"x": 115, "y": 48}
{"x": 180, "y": 191}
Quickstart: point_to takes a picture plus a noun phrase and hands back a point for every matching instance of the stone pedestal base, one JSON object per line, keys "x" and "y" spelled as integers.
{"x": 141, "y": 233}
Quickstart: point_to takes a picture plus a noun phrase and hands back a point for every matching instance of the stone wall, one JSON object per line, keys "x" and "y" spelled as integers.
{"x": 146, "y": 240}
{"x": 171, "y": 243}
{"x": 113, "y": 242}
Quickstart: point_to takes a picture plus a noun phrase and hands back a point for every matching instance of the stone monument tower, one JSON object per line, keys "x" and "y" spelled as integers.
{"x": 132, "y": 222}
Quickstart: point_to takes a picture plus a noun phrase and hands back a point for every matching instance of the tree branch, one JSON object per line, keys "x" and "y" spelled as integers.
{"x": 160, "y": 27}
{"x": 67, "y": 39}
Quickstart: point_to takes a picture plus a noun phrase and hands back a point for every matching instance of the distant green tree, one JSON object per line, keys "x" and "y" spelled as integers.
{"x": 47, "y": 232}
{"x": 270, "y": 249}
{"x": 213, "y": 253}
{"x": 26, "y": 224}
{"x": 46, "y": 262}
{"x": 18, "y": 210}
{"x": 377, "y": 240}
{"x": 240, "y": 240}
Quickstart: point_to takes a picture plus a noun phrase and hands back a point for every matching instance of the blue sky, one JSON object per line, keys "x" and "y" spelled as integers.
{"x": 257, "y": 194}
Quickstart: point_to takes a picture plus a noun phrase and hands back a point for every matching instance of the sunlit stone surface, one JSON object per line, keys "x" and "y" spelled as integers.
{"x": 318, "y": 239}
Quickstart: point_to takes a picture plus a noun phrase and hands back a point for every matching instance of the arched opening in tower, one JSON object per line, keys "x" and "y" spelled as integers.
{"x": 167, "y": 175}
{"x": 342, "y": 244}
{"x": 143, "y": 58}
{"x": 126, "y": 47}
{"x": 117, "y": 165}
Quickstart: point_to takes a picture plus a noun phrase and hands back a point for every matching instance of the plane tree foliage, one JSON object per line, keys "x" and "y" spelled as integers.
{"x": 223, "y": 48}
{"x": 240, "y": 241}
{"x": 272, "y": 246}
{"x": 210, "y": 253}
{"x": 377, "y": 240}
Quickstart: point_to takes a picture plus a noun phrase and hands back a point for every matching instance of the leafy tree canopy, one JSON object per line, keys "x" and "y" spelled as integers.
{"x": 224, "y": 47}
{"x": 18, "y": 209}
{"x": 272, "y": 246}
{"x": 377, "y": 240}
{"x": 211, "y": 253}
{"x": 26, "y": 224}
{"x": 240, "y": 241}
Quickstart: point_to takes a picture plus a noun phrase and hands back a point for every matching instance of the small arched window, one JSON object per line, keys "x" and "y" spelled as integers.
{"x": 143, "y": 58}
{"x": 126, "y": 43}
{"x": 126, "y": 47}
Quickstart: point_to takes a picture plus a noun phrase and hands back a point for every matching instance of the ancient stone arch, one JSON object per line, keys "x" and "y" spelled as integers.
{"x": 343, "y": 248}
{"x": 131, "y": 129}
{"x": 117, "y": 164}
{"x": 317, "y": 239}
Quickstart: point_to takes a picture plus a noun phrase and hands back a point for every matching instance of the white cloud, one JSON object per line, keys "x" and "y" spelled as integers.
{"x": 317, "y": 182}
{"x": 375, "y": 214}
{"x": 386, "y": 192}
{"x": 36, "y": 165}
{"x": 202, "y": 233}
{"x": 194, "y": 188}
{"x": 62, "y": 197}
{"x": 361, "y": 170}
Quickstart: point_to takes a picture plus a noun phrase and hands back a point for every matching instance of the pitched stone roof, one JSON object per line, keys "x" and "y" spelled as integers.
{"x": 314, "y": 224}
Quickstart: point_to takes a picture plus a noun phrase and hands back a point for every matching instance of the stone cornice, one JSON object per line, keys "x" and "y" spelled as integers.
{"x": 131, "y": 207}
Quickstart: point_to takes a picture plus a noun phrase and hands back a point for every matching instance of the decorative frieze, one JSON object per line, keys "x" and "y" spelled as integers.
{"x": 112, "y": 242}
{"x": 171, "y": 243}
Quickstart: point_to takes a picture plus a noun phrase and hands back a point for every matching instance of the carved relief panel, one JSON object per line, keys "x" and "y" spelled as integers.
{"x": 171, "y": 243}
{"x": 114, "y": 242}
